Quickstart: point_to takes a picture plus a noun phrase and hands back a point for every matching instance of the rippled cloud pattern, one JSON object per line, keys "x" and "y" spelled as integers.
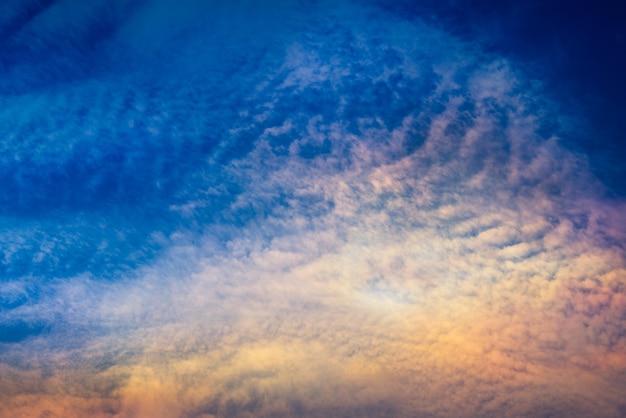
{"x": 316, "y": 209}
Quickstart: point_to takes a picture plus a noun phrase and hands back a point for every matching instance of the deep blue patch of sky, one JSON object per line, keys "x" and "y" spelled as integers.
{"x": 578, "y": 49}
{"x": 100, "y": 134}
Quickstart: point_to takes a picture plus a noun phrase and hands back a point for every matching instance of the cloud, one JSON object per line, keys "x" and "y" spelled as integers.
{"x": 380, "y": 229}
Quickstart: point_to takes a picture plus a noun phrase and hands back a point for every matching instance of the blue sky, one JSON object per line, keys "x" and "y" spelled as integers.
{"x": 345, "y": 208}
{"x": 575, "y": 49}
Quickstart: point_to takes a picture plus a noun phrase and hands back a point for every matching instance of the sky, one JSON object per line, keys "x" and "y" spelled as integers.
{"x": 347, "y": 208}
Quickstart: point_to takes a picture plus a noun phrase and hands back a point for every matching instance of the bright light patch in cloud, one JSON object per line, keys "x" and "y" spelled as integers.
{"x": 365, "y": 218}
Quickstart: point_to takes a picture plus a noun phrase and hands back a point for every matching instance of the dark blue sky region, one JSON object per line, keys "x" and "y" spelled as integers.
{"x": 102, "y": 128}
{"x": 577, "y": 49}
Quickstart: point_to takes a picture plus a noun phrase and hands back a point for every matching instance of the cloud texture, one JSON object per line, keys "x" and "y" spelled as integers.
{"x": 313, "y": 211}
